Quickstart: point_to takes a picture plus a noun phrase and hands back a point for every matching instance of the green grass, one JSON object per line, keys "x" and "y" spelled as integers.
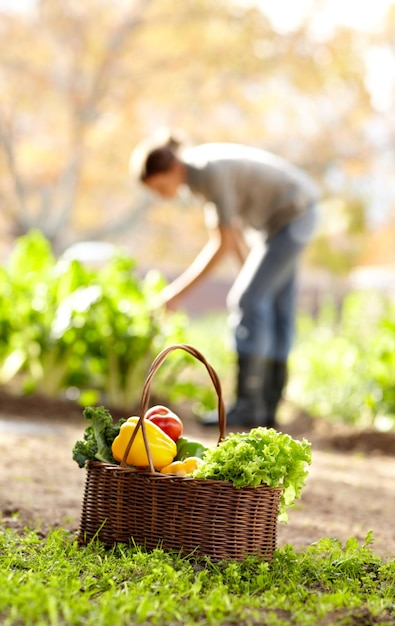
{"x": 53, "y": 581}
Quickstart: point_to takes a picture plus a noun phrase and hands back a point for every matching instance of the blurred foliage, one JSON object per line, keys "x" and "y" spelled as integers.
{"x": 338, "y": 255}
{"x": 88, "y": 332}
{"x": 92, "y": 332}
{"x": 343, "y": 364}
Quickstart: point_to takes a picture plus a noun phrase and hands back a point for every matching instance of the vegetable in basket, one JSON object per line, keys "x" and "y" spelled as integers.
{"x": 162, "y": 448}
{"x": 98, "y": 437}
{"x": 182, "y": 468}
{"x": 166, "y": 419}
{"x": 189, "y": 447}
{"x": 262, "y": 456}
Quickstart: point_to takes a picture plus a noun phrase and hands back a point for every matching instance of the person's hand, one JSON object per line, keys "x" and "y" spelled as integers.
{"x": 167, "y": 299}
{"x": 172, "y": 304}
{"x": 170, "y": 299}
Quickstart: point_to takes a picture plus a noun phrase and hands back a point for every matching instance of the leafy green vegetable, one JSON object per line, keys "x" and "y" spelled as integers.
{"x": 98, "y": 437}
{"x": 343, "y": 361}
{"x": 261, "y": 456}
{"x": 65, "y": 324}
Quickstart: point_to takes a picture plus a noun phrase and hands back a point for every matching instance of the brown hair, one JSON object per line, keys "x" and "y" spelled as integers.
{"x": 148, "y": 160}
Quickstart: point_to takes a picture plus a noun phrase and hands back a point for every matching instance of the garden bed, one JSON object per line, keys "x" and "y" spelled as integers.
{"x": 350, "y": 489}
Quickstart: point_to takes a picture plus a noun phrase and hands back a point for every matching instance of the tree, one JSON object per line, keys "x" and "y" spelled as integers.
{"x": 83, "y": 82}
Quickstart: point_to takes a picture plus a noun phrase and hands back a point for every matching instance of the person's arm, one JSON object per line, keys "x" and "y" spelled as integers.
{"x": 223, "y": 240}
{"x": 242, "y": 249}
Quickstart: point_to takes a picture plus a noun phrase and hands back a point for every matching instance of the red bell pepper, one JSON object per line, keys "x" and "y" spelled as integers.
{"x": 168, "y": 421}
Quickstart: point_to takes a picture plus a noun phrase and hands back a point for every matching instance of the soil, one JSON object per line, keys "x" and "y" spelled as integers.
{"x": 350, "y": 489}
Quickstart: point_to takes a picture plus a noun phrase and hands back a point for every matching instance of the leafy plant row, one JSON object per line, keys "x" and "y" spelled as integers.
{"x": 69, "y": 327}
{"x": 343, "y": 363}
{"x": 56, "y": 582}
{"x": 66, "y": 326}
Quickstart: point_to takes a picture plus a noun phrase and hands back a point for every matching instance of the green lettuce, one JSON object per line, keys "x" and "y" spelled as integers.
{"x": 262, "y": 456}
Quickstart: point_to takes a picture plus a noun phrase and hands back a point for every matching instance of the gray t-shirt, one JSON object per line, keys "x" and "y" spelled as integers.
{"x": 257, "y": 187}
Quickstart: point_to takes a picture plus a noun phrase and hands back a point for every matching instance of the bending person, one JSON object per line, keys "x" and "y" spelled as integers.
{"x": 246, "y": 190}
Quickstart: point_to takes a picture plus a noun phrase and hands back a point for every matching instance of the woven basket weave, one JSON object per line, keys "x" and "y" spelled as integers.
{"x": 207, "y": 517}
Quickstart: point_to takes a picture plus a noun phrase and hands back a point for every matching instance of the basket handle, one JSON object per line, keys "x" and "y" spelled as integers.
{"x": 145, "y": 396}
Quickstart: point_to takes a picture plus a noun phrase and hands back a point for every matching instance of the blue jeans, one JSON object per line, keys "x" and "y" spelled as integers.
{"x": 262, "y": 298}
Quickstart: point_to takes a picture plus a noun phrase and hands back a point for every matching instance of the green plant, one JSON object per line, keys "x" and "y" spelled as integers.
{"x": 343, "y": 362}
{"x": 260, "y": 456}
{"x": 53, "y": 581}
{"x": 98, "y": 437}
{"x": 212, "y": 335}
{"x": 64, "y": 325}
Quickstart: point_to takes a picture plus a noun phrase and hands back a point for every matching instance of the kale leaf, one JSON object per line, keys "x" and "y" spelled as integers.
{"x": 98, "y": 437}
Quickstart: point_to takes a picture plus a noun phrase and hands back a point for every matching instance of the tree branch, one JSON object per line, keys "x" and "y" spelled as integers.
{"x": 19, "y": 188}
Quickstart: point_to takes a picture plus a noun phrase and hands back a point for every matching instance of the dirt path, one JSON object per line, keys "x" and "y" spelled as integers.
{"x": 349, "y": 491}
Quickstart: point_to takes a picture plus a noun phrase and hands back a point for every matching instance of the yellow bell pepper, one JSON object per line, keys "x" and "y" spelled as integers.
{"x": 182, "y": 468}
{"x": 162, "y": 448}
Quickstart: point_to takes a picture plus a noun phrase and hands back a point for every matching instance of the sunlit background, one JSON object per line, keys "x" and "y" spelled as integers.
{"x": 83, "y": 82}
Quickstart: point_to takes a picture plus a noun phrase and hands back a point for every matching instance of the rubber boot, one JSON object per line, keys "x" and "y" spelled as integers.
{"x": 248, "y": 410}
{"x": 274, "y": 383}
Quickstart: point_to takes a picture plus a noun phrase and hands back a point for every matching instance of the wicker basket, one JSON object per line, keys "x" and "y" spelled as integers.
{"x": 206, "y": 517}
